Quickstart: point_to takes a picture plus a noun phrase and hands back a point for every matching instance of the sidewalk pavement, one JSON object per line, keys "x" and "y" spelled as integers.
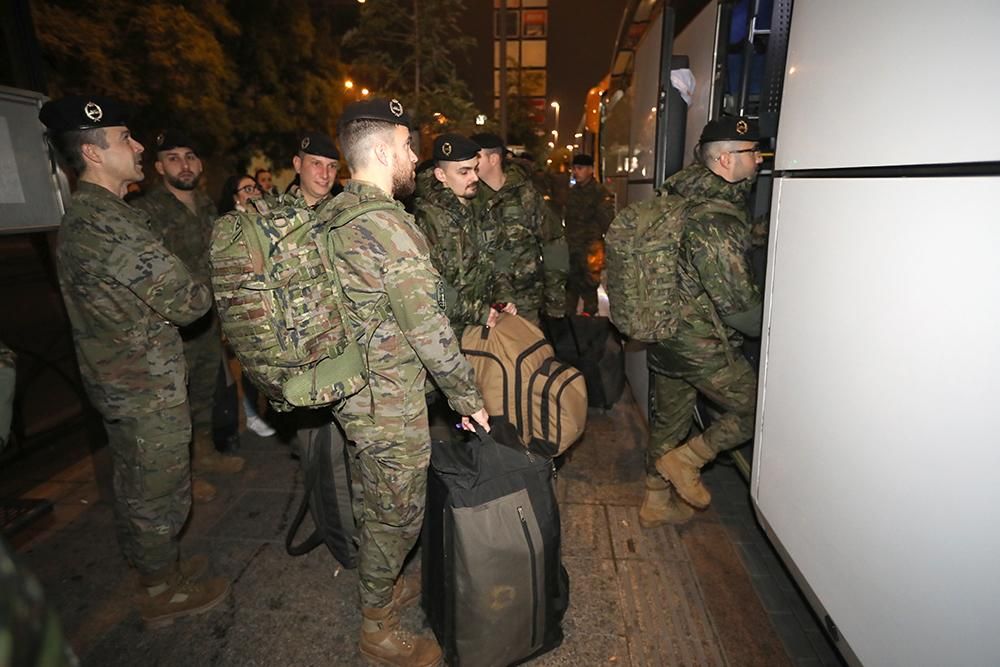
{"x": 669, "y": 596}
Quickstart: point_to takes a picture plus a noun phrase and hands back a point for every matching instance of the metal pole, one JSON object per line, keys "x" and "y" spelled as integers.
{"x": 502, "y": 28}
{"x": 416, "y": 52}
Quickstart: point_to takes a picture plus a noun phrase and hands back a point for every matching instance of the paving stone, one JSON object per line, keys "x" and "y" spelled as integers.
{"x": 258, "y": 515}
{"x": 665, "y": 618}
{"x": 632, "y": 541}
{"x": 595, "y": 605}
{"x": 585, "y": 530}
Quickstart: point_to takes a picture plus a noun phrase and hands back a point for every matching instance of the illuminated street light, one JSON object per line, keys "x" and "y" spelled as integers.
{"x": 551, "y": 145}
{"x": 578, "y": 135}
{"x": 555, "y": 105}
{"x": 481, "y": 119}
{"x": 365, "y": 91}
{"x": 348, "y": 84}
{"x": 570, "y": 147}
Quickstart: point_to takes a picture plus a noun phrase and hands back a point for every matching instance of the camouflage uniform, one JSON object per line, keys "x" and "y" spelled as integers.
{"x": 7, "y": 383}
{"x": 715, "y": 283}
{"x": 590, "y": 209}
{"x": 188, "y": 236}
{"x": 121, "y": 286}
{"x": 458, "y": 249}
{"x": 530, "y": 257}
{"x": 30, "y": 633}
{"x": 394, "y": 298}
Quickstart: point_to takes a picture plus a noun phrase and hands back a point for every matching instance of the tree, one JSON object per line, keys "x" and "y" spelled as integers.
{"x": 240, "y": 75}
{"x": 407, "y": 50}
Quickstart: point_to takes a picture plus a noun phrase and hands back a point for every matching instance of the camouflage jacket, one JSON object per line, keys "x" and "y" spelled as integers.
{"x": 530, "y": 256}
{"x": 124, "y": 292}
{"x": 383, "y": 260}
{"x": 590, "y": 208}
{"x": 715, "y": 280}
{"x": 458, "y": 249}
{"x": 185, "y": 234}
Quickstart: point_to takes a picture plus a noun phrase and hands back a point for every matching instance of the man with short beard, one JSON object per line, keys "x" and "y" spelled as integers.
{"x": 395, "y": 301}
{"x": 444, "y": 211}
{"x": 181, "y": 215}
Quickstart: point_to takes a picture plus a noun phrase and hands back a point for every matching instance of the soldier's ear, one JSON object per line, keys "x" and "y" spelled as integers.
{"x": 297, "y": 164}
{"x": 159, "y": 167}
{"x": 439, "y": 174}
{"x": 91, "y": 153}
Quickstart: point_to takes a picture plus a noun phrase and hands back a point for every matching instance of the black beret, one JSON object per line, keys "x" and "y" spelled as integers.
{"x": 317, "y": 143}
{"x": 84, "y": 112}
{"x": 380, "y": 108}
{"x": 169, "y": 139}
{"x": 730, "y": 128}
{"x": 487, "y": 140}
{"x": 583, "y": 160}
{"x": 452, "y": 147}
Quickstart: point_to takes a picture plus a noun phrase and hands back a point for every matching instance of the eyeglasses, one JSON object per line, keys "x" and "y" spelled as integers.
{"x": 249, "y": 189}
{"x": 755, "y": 150}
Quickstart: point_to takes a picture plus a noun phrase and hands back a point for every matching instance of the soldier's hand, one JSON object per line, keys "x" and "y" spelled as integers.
{"x": 510, "y": 308}
{"x": 481, "y": 417}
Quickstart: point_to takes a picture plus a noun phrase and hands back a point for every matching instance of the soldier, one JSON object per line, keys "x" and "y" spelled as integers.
{"x": 589, "y": 211}
{"x": 121, "y": 286}
{"x": 181, "y": 216}
{"x": 396, "y": 303}
{"x": 316, "y": 165}
{"x": 530, "y": 257}
{"x": 444, "y": 211}
{"x": 719, "y": 303}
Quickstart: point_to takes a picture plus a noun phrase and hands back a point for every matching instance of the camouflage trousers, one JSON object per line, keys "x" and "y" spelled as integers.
{"x": 203, "y": 355}
{"x": 387, "y": 423}
{"x": 152, "y": 484}
{"x": 732, "y": 389}
{"x": 581, "y": 282}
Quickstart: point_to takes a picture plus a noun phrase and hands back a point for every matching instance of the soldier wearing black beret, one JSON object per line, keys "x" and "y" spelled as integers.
{"x": 125, "y": 295}
{"x": 589, "y": 210}
{"x": 718, "y": 302}
{"x": 395, "y": 298}
{"x": 316, "y": 164}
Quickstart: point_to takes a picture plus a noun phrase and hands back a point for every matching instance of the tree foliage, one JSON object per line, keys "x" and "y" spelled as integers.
{"x": 238, "y": 75}
{"x": 408, "y": 49}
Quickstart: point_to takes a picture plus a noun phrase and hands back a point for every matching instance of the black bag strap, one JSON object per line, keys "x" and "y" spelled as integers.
{"x": 311, "y": 456}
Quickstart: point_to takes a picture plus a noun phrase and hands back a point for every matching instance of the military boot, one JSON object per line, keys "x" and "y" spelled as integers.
{"x": 405, "y": 592}
{"x": 169, "y": 595}
{"x": 202, "y": 491}
{"x": 661, "y": 505}
{"x": 682, "y": 467}
{"x": 205, "y": 458}
{"x": 383, "y": 642}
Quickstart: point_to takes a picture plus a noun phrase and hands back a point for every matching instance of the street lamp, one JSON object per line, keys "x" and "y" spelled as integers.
{"x": 365, "y": 91}
{"x": 348, "y": 84}
{"x": 555, "y": 105}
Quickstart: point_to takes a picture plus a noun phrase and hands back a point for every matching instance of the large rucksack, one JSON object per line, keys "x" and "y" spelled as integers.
{"x": 281, "y": 304}
{"x": 642, "y": 247}
{"x": 521, "y": 380}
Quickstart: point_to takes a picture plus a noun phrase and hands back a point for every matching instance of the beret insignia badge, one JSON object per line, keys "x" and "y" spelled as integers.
{"x": 396, "y": 108}
{"x": 446, "y": 148}
{"x": 93, "y": 111}
{"x": 305, "y": 143}
{"x": 742, "y": 127}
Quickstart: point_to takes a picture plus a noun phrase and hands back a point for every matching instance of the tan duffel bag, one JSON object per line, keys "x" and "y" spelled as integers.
{"x": 520, "y": 378}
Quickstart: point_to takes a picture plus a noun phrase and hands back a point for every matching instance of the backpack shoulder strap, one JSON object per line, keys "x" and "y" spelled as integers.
{"x": 349, "y": 214}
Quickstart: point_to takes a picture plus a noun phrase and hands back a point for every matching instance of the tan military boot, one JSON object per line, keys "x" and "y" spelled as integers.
{"x": 205, "y": 458}
{"x": 682, "y": 467}
{"x": 383, "y": 642}
{"x": 169, "y": 596}
{"x": 202, "y": 491}
{"x": 405, "y": 592}
{"x": 661, "y": 505}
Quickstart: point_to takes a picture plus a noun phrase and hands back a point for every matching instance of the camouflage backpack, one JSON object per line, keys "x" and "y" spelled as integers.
{"x": 281, "y": 303}
{"x": 642, "y": 246}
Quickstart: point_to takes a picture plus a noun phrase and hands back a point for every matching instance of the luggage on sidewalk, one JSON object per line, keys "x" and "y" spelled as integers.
{"x": 494, "y": 588}
{"x": 520, "y": 379}
{"x": 592, "y": 344}
{"x": 328, "y": 495}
